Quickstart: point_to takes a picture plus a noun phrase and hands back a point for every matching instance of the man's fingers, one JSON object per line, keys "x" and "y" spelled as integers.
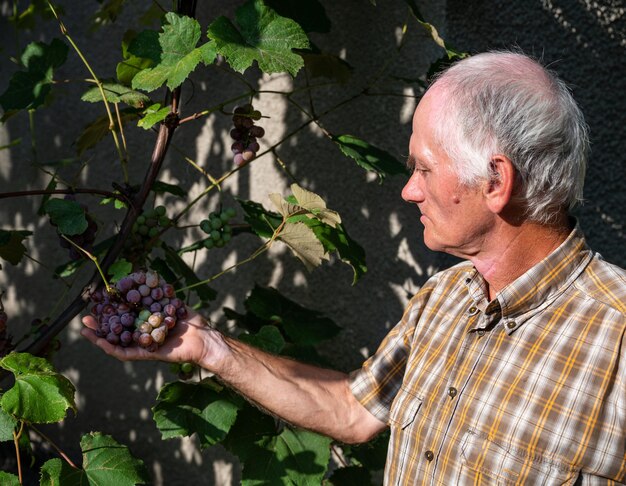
{"x": 90, "y": 322}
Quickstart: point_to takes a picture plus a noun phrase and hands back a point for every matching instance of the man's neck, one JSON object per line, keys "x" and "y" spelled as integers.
{"x": 513, "y": 250}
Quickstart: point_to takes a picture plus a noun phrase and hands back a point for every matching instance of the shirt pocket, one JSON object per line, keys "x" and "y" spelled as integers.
{"x": 404, "y": 409}
{"x": 486, "y": 463}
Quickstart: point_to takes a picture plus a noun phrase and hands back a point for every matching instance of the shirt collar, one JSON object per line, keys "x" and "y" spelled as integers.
{"x": 538, "y": 287}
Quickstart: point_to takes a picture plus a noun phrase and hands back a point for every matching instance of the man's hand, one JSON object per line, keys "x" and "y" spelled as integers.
{"x": 191, "y": 340}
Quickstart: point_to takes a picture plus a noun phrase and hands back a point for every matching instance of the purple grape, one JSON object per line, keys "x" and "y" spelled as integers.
{"x": 127, "y": 319}
{"x": 116, "y": 327}
{"x": 169, "y": 321}
{"x": 169, "y": 310}
{"x": 157, "y": 293}
{"x": 133, "y": 296}
{"x": 168, "y": 291}
{"x": 139, "y": 277}
{"x": 156, "y": 307}
{"x": 145, "y": 340}
{"x": 152, "y": 279}
{"x": 125, "y": 284}
{"x": 181, "y": 312}
{"x": 238, "y": 160}
{"x": 147, "y": 301}
{"x": 176, "y": 302}
{"x": 237, "y": 147}
{"x": 113, "y": 338}
{"x": 126, "y": 338}
{"x": 254, "y": 147}
{"x": 257, "y": 131}
{"x": 144, "y": 290}
{"x": 248, "y": 155}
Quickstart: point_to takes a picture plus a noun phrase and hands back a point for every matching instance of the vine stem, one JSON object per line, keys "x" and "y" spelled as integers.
{"x": 264, "y": 247}
{"x": 94, "y": 260}
{"x": 56, "y": 448}
{"x": 65, "y": 33}
{"x": 40, "y": 192}
{"x": 16, "y": 440}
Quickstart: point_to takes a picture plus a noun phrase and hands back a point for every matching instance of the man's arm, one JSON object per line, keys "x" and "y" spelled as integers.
{"x": 307, "y": 396}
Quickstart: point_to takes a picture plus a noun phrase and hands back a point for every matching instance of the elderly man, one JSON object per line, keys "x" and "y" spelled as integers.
{"x": 508, "y": 368}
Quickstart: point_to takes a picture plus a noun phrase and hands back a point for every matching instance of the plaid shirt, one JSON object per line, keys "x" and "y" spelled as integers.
{"x": 527, "y": 389}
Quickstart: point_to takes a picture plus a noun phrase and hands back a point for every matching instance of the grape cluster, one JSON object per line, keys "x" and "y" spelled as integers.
{"x": 245, "y": 134}
{"x": 84, "y": 240}
{"x": 147, "y": 226}
{"x": 218, "y": 228}
{"x": 140, "y": 310}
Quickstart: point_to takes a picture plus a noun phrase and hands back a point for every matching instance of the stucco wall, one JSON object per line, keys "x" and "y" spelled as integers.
{"x": 116, "y": 397}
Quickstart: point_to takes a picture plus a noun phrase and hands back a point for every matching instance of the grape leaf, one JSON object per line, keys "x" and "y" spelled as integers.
{"x": 28, "y": 89}
{"x": 99, "y": 128}
{"x": 161, "y": 187}
{"x": 153, "y": 115}
{"x": 302, "y": 326}
{"x": 262, "y": 221}
{"x": 337, "y": 239}
{"x": 304, "y": 244}
{"x": 116, "y": 93}
{"x": 7, "y": 479}
{"x": 315, "y": 205}
{"x": 8, "y": 424}
{"x": 201, "y": 408}
{"x": 40, "y": 394}
{"x": 264, "y": 37}
{"x": 369, "y": 157}
{"x": 146, "y": 46}
{"x": 68, "y": 216}
{"x": 120, "y": 269}
{"x": 179, "y": 55}
{"x": 268, "y": 339}
{"x": 11, "y": 248}
{"x": 451, "y": 52}
{"x": 178, "y": 265}
{"x": 105, "y": 461}
{"x": 309, "y": 14}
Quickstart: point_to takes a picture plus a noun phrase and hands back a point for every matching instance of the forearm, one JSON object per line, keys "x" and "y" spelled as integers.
{"x": 307, "y": 396}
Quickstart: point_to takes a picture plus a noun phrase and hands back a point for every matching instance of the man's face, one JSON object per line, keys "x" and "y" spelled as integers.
{"x": 454, "y": 215}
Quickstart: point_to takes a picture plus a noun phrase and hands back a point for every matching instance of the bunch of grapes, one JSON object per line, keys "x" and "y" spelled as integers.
{"x": 140, "y": 310}
{"x": 245, "y": 134}
{"x": 84, "y": 240}
{"x": 218, "y": 228}
{"x": 148, "y": 225}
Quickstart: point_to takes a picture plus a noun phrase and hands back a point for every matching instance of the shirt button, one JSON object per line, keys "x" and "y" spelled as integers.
{"x": 511, "y": 324}
{"x": 481, "y": 332}
{"x": 429, "y": 455}
{"x": 472, "y": 310}
{"x": 452, "y": 392}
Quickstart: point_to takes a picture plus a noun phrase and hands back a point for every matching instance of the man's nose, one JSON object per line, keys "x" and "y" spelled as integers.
{"x": 412, "y": 192}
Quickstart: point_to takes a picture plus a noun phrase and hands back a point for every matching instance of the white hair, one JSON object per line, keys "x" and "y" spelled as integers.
{"x": 507, "y": 103}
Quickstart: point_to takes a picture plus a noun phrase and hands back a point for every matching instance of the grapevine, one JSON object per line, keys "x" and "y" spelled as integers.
{"x": 218, "y": 228}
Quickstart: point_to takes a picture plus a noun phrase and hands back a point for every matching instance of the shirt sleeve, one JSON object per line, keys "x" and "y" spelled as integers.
{"x": 378, "y": 381}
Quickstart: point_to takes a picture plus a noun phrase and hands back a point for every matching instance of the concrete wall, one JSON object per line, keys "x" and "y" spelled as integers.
{"x": 116, "y": 397}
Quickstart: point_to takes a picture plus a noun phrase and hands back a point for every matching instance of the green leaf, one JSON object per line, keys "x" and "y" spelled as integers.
{"x": 99, "y": 128}
{"x": 303, "y": 326}
{"x": 178, "y": 56}
{"x": 7, "y": 479}
{"x": 263, "y": 36}
{"x": 304, "y": 202}
{"x": 146, "y": 46}
{"x": 8, "y": 424}
{"x": 268, "y": 339}
{"x": 450, "y": 51}
{"x": 369, "y": 157}
{"x": 120, "y": 269}
{"x": 68, "y": 216}
{"x": 161, "y": 187}
{"x": 116, "y": 93}
{"x": 309, "y": 14}
{"x": 262, "y": 221}
{"x": 304, "y": 244}
{"x": 11, "y": 248}
{"x": 153, "y": 115}
{"x": 321, "y": 64}
{"x": 204, "y": 408}
{"x": 337, "y": 239}
{"x": 28, "y": 89}
{"x": 178, "y": 265}
{"x": 40, "y": 394}
{"x": 105, "y": 462}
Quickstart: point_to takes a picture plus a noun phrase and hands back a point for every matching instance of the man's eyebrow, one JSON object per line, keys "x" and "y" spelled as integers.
{"x": 410, "y": 162}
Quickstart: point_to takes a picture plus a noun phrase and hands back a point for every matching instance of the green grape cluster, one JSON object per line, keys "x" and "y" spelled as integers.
{"x": 151, "y": 222}
{"x": 218, "y": 228}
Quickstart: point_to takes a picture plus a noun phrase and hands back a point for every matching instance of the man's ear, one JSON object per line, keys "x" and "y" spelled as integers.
{"x": 499, "y": 188}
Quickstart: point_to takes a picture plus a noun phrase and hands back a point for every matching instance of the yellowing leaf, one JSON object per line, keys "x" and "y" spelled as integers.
{"x": 303, "y": 242}
{"x": 315, "y": 205}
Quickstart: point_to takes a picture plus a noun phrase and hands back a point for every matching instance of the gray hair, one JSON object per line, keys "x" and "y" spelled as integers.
{"x": 507, "y": 103}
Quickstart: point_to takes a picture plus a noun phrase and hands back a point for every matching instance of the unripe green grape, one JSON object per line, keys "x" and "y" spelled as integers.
{"x": 231, "y": 212}
{"x": 141, "y": 219}
{"x": 205, "y": 225}
{"x": 143, "y": 230}
{"x": 187, "y": 367}
{"x": 226, "y": 237}
{"x": 216, "y": 223}
{"x": 227, "y": 228}
{"x": 164, "y": 221}
{"x": 216, "y": 235}
{"x": 153, "y": 232}
{"x": 219, "y": 243}
{"x": 208, "y": 243}
{"x": 224, "y": 217}
{"x": 159, "y": 211}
